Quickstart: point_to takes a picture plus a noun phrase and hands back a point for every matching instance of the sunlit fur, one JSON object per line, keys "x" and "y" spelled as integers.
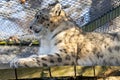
{"x": 63, "y": 43}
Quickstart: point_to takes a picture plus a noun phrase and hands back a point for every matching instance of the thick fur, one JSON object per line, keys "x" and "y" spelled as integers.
{"x": 63, "y": 43}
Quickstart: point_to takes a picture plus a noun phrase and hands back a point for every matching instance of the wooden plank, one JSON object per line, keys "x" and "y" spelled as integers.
{"x": 59, "y": 72}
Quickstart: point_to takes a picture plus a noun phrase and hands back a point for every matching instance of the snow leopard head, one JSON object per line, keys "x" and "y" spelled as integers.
{"x": 48, "y": 19}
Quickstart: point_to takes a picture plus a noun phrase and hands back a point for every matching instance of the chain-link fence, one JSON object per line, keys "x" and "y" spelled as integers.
{"x": 15, "y": 18}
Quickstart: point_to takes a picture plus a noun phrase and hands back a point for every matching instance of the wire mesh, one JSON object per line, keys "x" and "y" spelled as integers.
{"x": 15, "y": 19}
{"x": 111, "y": 26}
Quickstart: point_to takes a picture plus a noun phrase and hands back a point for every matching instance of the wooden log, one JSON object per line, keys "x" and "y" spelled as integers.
{"x": 21, "y": 43}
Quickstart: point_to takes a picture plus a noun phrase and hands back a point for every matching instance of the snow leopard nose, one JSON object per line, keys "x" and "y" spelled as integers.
{"x": 30, "y": 27}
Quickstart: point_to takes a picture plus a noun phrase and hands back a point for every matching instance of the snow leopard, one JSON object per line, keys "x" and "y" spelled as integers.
{"x": 63, "y": 43}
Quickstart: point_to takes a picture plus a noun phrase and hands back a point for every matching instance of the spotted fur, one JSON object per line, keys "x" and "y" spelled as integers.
{"x": 63, "y": 43}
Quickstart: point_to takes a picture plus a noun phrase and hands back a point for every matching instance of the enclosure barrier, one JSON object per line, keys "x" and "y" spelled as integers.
{"x": 91, "y": 26}
{"x": 107, "y": 17}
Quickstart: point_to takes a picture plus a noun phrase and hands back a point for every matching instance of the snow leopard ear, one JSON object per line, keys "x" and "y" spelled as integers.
{"x": 56, "y": 10}
{"x": 58, "y": 6}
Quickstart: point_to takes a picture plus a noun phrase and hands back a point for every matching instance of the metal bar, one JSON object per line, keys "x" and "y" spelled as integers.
{"x": 16, "y": 74}
{"x": 110, "y": 15}
{"x": 75, "y": 71}
{"x": 50, "y": 73}
{"x": 94, "y": 71}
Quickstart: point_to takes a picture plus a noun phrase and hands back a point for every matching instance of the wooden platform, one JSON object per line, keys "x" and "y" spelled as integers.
{"x": 74, "y": 78}
{"x": 61, "y": 73}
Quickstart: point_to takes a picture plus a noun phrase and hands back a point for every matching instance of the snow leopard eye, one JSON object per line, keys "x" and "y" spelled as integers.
{"x": 37, "y": 31}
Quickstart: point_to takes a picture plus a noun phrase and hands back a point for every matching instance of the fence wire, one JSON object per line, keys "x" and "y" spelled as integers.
{"x": 15, "y": 17}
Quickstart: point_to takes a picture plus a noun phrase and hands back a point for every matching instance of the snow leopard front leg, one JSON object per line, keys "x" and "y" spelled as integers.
{"x": 56, "y": 59}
